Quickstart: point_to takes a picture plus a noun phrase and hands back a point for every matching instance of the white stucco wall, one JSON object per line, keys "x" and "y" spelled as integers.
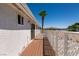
{"x": 38, "y": 34}
{"x": 64, "y": 43}
{"x": 13, "y": 37}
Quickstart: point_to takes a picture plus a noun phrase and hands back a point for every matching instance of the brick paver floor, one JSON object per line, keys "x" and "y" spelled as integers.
{"x": 35, "y": 48}
{"x": 39, "y": 47}
{"x": 47, "y": 48}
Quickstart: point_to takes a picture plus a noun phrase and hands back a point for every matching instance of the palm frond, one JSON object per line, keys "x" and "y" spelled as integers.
{"x": 43, "y": 13}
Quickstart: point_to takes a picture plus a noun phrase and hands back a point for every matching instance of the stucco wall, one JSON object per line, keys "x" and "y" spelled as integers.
{"x": 64, "y": 43}
{"x": 38, "y": 34}
{"x": 13, "y": 37}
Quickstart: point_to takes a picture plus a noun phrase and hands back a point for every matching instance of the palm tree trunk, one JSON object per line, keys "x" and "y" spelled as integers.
{"x": 42, "y": 24}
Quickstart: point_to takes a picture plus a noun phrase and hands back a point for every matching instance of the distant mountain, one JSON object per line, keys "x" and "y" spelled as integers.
{"x": 52, "y": 28}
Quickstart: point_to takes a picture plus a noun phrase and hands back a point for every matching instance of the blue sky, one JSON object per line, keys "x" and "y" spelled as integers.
{"x": 60, "y": 15}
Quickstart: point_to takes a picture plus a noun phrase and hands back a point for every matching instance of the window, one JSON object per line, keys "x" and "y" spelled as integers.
{"x": 20, "y": 20}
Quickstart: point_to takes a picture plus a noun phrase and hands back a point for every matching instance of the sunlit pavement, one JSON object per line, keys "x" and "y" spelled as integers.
{"x": 38, "y": 47}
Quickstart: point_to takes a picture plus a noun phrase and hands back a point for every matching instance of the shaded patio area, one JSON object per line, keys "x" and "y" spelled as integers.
{"x": 47, "y": 48}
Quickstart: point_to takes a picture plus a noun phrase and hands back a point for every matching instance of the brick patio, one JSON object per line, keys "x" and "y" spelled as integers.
{"x": 47, "y": 48}
{"x": 38, "y": 47}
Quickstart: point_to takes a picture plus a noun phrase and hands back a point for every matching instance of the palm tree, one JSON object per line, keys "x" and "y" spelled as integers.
{"x": 43, "y": 14}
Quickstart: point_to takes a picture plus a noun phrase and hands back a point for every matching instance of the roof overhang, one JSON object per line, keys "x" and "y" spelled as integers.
{"x": 26, "y": 11}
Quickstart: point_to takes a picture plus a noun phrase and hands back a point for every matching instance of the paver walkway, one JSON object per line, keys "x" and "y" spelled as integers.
{"x": 39, "y": 47}
{"x": 47, "y": 48}
{"x": 35, "y": 48}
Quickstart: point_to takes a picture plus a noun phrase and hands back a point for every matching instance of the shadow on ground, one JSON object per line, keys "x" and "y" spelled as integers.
{"x": 47, "y": 48}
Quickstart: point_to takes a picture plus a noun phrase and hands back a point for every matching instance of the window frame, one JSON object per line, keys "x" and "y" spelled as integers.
{"x": 20, "y": 20}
